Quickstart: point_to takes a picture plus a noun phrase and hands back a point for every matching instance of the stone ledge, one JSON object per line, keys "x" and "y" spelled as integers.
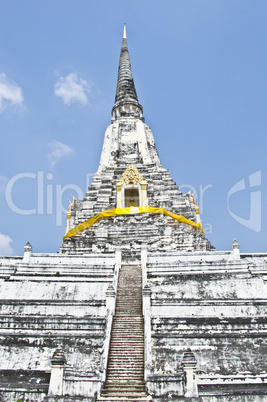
{"x": 68, "y": 399}
{"x": 171, "y": 301}
{"x": 233, "y": 389}
{"x": 164, "y": 377}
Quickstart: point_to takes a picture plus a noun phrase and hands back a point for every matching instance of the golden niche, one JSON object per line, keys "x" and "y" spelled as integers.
{"x": 131, "y": 189}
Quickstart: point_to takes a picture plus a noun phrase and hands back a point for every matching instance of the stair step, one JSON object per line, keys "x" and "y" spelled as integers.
{"x": 139, "y": 368}
{"x": 122, "y": 389}
{"x": 129, "y": 346}
{"x": 121, "y": 352}
{"x": 112, "y": 377}
{"x": 126, "y": 398}
{"x": 128, "y": 332}
{"x": 131, "y": 342}
{"x": 129, "y": 356}
{"x": 138, "y": 375}
{"x": 127, "y": 329}
{"x": 122, "y": 384}
{"x": 118, "y": 335}
{"x": 129, "y": 363}
{"x": 125, "y": 371}
{"x": 120, "y": 372}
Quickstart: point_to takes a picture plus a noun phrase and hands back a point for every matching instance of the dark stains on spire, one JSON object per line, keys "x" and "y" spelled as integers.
{"x": 126, "y": 100}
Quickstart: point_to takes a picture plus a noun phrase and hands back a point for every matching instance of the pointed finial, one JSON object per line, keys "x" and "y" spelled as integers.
{"x": 28, "y": 247}
{"x": 235, "y": 244}
{"x": 124, "y": 32}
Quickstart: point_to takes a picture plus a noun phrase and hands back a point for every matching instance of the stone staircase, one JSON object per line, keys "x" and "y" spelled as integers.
{"x": 125, "y": 370}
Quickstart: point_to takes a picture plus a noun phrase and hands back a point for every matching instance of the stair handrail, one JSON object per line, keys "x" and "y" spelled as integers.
{"x": 146, "y": 313}
{"x": 117, "y": 268}
{"x": 110, "y": 305}
{"x": 144, "y": 264}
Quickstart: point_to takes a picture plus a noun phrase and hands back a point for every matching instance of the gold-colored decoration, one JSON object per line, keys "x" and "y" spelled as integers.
{"x": 131, "y": 176}
{"x": 71, "y": 205}
{"x": 69, "y": 211}
{"x": 193, "y": 201}
{"x": 73, "y": 201}
{"x": 132, "y": 202}
{"x": 127, "y": 211}
{"x": 119, "y": 184}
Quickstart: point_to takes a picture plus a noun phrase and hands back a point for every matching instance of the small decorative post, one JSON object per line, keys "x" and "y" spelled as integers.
{"x": 27, "y": 252}
{"x": 189, "y": 366}
{"x": 235, "y": 248}
{"x": 56, "y": 380}
{"x": 110, "y": 297}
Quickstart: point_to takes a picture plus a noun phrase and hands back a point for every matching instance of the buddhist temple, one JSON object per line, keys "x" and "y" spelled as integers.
{"x": 137, "y": 305}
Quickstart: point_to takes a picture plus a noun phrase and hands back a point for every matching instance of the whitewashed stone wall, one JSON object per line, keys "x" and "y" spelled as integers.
{"x": 52, "y": 301}
{"x": 215, "y": 305}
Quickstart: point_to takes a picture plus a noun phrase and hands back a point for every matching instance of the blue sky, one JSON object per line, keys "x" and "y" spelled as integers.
{"x": 200, "y": 73}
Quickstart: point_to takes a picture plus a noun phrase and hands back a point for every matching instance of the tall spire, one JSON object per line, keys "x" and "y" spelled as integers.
{"x": 126, "y": 100}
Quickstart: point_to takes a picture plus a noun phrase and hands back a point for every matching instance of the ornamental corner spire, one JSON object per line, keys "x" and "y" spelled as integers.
{"x": 126, "y": 100}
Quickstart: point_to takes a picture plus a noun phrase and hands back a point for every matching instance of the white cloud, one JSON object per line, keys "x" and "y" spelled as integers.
{"x": 58, "y": 150}
{"x": 72, "y": 88}
{"x": 10, "y": 93}
{"x": 5, "y": 247}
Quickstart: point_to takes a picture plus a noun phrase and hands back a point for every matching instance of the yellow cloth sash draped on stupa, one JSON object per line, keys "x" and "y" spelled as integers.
{"x": 129, "y": 211}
